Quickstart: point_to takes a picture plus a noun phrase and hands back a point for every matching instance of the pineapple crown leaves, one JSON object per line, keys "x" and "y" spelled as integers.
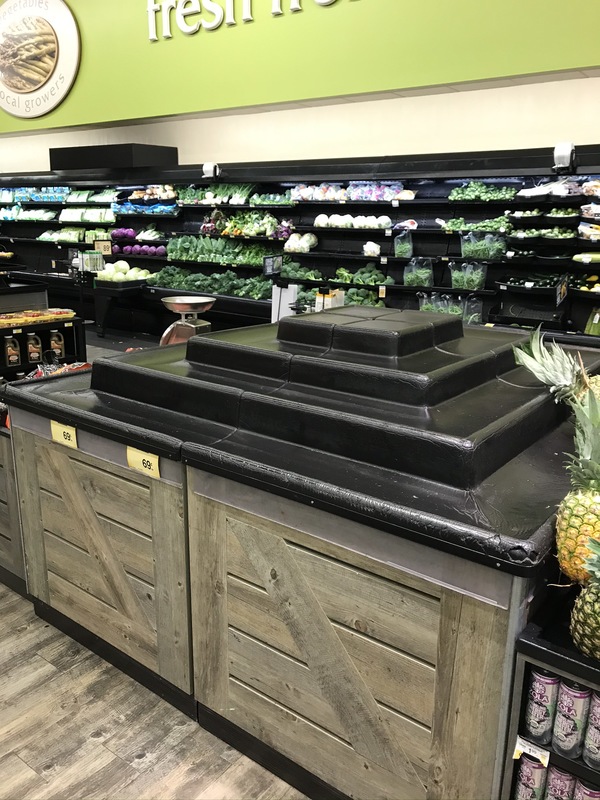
{"x": 552, "y": 365}
{"x": 584, "y": 466}
{"x": 592, "y": 562}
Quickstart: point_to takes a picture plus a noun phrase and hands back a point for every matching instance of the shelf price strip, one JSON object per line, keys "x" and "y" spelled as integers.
{"x": 523, "y": 746}
{"x": 64, "y": 434}
{"x": 146, "y": 463}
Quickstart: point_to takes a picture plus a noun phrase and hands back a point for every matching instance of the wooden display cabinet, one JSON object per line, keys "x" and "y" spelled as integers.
{"x": 380, "y": 680}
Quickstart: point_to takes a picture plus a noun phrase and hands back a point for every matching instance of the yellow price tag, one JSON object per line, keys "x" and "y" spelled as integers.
{"x": 64, "y": 434}
{"x": 147, "y": 463}
{"x": 382, "y": 291}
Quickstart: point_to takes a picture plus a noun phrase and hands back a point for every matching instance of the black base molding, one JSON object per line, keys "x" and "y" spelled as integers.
{"x": 13, "y": 582}
{"x": 267, "y": 757}
{"x": 176, "y": 697}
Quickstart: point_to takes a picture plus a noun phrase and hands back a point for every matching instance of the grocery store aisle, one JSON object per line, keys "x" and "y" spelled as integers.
{"x": 73, "y": 727}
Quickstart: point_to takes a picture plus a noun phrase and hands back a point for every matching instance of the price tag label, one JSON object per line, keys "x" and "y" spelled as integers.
{"x": 384, "y": 259}
{"x": 68, "y": 324}
{"x": 510, "y": 254}
{"x": 489, "y": 325}
{"x": 147, "y": 463}
{"x": 272, "y": 265}
{"x": 382, "y": 291}
{"x": 388, "y": 231}
{"x": 64, "y": 434}
{"x": 523, "y": 746}
{"x": 503, "y": 287}
{"x": 529, "y": 284}
{"x": 103, "y": 246}
{"x": 17, "y": 330}
{"x": 395, "y": 203}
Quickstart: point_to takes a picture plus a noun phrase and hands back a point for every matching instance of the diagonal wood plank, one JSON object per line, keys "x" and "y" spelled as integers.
{"x": 208, "y": 577}
{"x": 31, "y": 514}
{"x": 98, "y": 544}
{"x": 334, "y": 670}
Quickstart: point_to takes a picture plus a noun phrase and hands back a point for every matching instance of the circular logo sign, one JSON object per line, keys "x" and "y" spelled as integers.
{"x": 39, "y": 55}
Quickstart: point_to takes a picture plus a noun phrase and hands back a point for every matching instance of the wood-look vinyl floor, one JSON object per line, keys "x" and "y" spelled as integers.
{"x": 73, "y": 727}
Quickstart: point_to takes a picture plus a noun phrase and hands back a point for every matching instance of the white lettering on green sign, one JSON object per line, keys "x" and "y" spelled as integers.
{"x": 186, "y": 14}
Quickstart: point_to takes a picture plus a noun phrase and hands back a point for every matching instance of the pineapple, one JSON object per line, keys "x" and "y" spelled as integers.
{"x": 578, "y": 517}
{"x": 557, "y": 368}
{"x": 585, "y": 618}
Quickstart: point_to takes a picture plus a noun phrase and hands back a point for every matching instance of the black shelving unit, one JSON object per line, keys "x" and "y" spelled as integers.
{"x": 73, "y": 334}
{"x": 548, "y": 645}
{"x": 432, "y": 177}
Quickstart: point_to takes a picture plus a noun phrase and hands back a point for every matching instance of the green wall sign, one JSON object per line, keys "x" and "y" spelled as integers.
{"x": 154, "y": 58}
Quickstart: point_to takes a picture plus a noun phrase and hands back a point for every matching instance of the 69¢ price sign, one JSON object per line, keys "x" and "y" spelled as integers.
{"x": 146, "y": 463}
{"x": 64, "y": 434}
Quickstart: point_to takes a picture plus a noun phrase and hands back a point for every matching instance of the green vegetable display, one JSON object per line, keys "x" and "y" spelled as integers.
{"x": 499, "y": 224}
{"x": 371, "y": 275}
{"x": 307, "y": 299}
{"x": 467, "y": 276}
{"x": 219, "y": 251}
{"x": 295, "y": 271}
{"x": 227, "y": 283}
{"x": 564, "y": 212}
{"x": 475, "y": 245}
{"x": 274, "y": 199}
{"x": 217, "y": 194}
{"x": 362, "y": 297}
{"x": 476, "y": 190}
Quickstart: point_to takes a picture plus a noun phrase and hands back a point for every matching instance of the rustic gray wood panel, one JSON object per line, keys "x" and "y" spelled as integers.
{"x": 133, "y": 548}
{"x": 72, "y": 564}
{"x": 324, "y": 754}
{"x": 208, "y": 591}
{"x": 292, "y": 684}
{"x": 358, "y": 599}
{"x": 350, "y": 557}
{"x": 125, "y": 578}
{"x": 124, "y": 501}
{"x": 173, "y": 624}
{"x": 383, "y": 669}
{"x": 472, "y": 646}
{"x": 298, "y": 678}
{"x": 31, "y": 513}
{"x": 97, "y": 544}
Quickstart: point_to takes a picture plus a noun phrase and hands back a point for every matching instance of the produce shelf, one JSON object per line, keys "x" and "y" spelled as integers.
{"x": 158, "y": 292}
{"x": 146, "y": 215}
{"x": 234, "y": 207}
{"x": 58, "y": 204}
{"x": 387, "y": 286}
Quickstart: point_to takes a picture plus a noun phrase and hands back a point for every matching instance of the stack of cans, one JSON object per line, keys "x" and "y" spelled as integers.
{"x": 566, "y": 716}
{"x": 535, "y": 782}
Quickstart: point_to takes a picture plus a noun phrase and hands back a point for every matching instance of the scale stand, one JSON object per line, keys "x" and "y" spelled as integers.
{"x": 190, "y": 323}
